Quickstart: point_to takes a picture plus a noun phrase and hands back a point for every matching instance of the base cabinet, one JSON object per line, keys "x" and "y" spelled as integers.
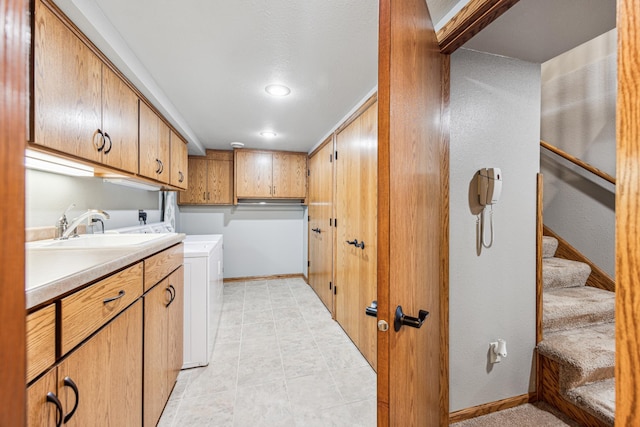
{"x": 163, "y": 324}
{"x": 98, "y": 384}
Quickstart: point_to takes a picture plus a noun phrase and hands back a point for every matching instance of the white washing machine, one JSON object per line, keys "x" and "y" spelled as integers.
{"x": 203, "y": 293}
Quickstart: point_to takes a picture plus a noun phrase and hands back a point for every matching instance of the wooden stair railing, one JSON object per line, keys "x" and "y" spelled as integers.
{"x": 584, "y": 165}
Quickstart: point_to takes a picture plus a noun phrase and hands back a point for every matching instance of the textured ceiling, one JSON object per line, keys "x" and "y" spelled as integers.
{"x": 213, "y": 58}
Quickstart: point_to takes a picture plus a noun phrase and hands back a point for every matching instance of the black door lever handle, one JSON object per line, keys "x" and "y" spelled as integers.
{"x": 403, "y": 319}
{"x": 356, "y": 243}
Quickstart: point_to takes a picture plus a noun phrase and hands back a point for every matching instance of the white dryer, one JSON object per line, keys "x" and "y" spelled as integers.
{"x": 203, "y": 293}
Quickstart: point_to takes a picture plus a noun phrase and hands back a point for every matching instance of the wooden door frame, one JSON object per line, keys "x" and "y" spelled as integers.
{"x": 628, "y": 216}
{"x": 13, "y": 127}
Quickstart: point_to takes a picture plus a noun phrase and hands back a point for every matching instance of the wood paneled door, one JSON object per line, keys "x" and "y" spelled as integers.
{"x": 356, "y": 237}
{"x": 412, "y": 216}
{"x": 320, "y": 220}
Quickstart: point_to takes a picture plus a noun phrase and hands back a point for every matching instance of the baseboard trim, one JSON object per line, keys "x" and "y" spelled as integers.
{"x": 272, "y": 277}
{"x": 488, "y": 408}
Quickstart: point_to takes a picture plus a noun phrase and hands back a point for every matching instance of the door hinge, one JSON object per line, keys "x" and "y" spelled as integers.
{"x": 308, "y": 172}
{"x": 308, "y": 218}
{"x": 308, "y": 263}
{"x": 335, "y": 222}
{"x": 330, "y": 285}
{"x": 330, "y": 158}
{"x": 330, "y": 222}
{"x": 335, "y": 290}
{"x": 336, "y": 154}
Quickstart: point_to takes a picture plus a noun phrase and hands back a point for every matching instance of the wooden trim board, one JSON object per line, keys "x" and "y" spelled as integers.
{"x": 628, "y": 216}
{"x": 491, "y": 407}
{"x": 539, "y": 234}
{"x": 272, "y": 277}
{"x": 598, "y": 278}
{"x": 471, "y": 19}
{"x": 13, "y": 125}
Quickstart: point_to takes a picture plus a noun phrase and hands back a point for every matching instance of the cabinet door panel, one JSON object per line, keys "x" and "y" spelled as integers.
{"x": 253, "y": 174}
{"x": 107, "y": 370}
{"x": 156, "y": 322}
{"x": 320, "y": 211}
{"x": 179, "y": 175}
{"x": 40, "y": 412}
{"x": 120, "y": 121}
{"x": 175, "y": 327}
{"x": 164, "y": 151}
{"x": 220, "y": 178}
{"x": 356, "y": 208}
{"x": 148, "y": 143}
{"x": 289, "y": 175}
{"x": 196, "y": 193}
{"x": 67, "y": 89}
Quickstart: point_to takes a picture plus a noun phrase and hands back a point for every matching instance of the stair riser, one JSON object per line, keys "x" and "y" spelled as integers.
{"x": 571, "y": 377}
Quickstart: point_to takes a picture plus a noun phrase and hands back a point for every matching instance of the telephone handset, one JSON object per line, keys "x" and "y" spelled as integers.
{"x": 489, "y": 192}
{"x": 489, "y": 185}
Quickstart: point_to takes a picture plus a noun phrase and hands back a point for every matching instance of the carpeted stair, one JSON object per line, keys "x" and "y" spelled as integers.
{"x": 579, "y": 336}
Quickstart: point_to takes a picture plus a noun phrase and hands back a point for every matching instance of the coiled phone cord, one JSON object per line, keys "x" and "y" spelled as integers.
{"x": 486, "y": 245}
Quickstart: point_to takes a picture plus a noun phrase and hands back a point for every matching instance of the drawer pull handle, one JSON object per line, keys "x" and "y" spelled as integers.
{"x": 54, "y": 399}
{"x": 181, "y": 177}
{"x": 172, "y": 292}
{"x": 68, "y": 382}
{"x": 108, "y": 300}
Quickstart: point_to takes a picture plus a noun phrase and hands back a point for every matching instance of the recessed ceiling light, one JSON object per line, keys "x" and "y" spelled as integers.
{"x": 236, "y": 144}
{"x": 277, "y": 90}
{"x": 268, "y": 134}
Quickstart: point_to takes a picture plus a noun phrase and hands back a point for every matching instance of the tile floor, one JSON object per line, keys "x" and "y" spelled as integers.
{"x": 279, "y": 360}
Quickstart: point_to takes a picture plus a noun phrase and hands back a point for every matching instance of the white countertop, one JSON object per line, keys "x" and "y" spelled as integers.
{"x": 51, "y": 273}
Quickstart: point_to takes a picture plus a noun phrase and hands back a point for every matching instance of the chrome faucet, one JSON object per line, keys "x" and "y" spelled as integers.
{"x": 70, "y": 228}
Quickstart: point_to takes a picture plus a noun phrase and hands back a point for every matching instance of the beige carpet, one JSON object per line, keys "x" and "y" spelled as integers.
{"x": 520, "y": 416}
{"x": 570, "y": 308}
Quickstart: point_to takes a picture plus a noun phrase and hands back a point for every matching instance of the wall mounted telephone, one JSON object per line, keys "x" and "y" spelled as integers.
{"x": 489, "y": 185}
{"x": 489, "y": 192}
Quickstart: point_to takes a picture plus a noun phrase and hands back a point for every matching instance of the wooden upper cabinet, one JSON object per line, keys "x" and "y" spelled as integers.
{"x": 253, "y": 174}
{"x": 290, "y": 175}
{"x": 67, "y": 89}
{"x": 179, "y": 176}
{"x": 270, "y": 174}
{"x": 119, "y": 122}
{"x": 220, "y": 179}
{"x": 81, "y": 107}
{"x": 154, "y": 145}
{"x": 210, "y": 179}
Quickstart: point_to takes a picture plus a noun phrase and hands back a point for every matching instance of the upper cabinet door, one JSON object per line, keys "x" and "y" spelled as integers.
{"x": 179, "y": 176}
{"x": 220, "y": 178}
{"x": 290, "y": 175}
{"x": 119, "y": 122}
{"x": 67, "y": 90}
{"x": 148, "y": 143}
{"x": 253, "y": 174}
{"x": 154, "y": 145}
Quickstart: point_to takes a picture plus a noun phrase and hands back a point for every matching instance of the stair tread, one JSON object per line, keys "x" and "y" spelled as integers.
{"x": 597, "y": 398}
{"x": 564, "y": 273}
{"x": 570, "y": 308}
{"x": 586, "y": 350}
{"x": 549, "y": 246}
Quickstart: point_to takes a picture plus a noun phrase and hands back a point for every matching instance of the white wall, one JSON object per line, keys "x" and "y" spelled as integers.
{"x": 495, "y": 117}
{"x": 49, "y": 194}
{"x": 578, "y": 116}
{"x": 258, "y": 241}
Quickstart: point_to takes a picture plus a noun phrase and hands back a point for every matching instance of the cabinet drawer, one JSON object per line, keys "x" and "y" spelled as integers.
{"x": 87, "y": 310}
{"x": 41, "y": 340}
{"x": 162, "y": 264}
